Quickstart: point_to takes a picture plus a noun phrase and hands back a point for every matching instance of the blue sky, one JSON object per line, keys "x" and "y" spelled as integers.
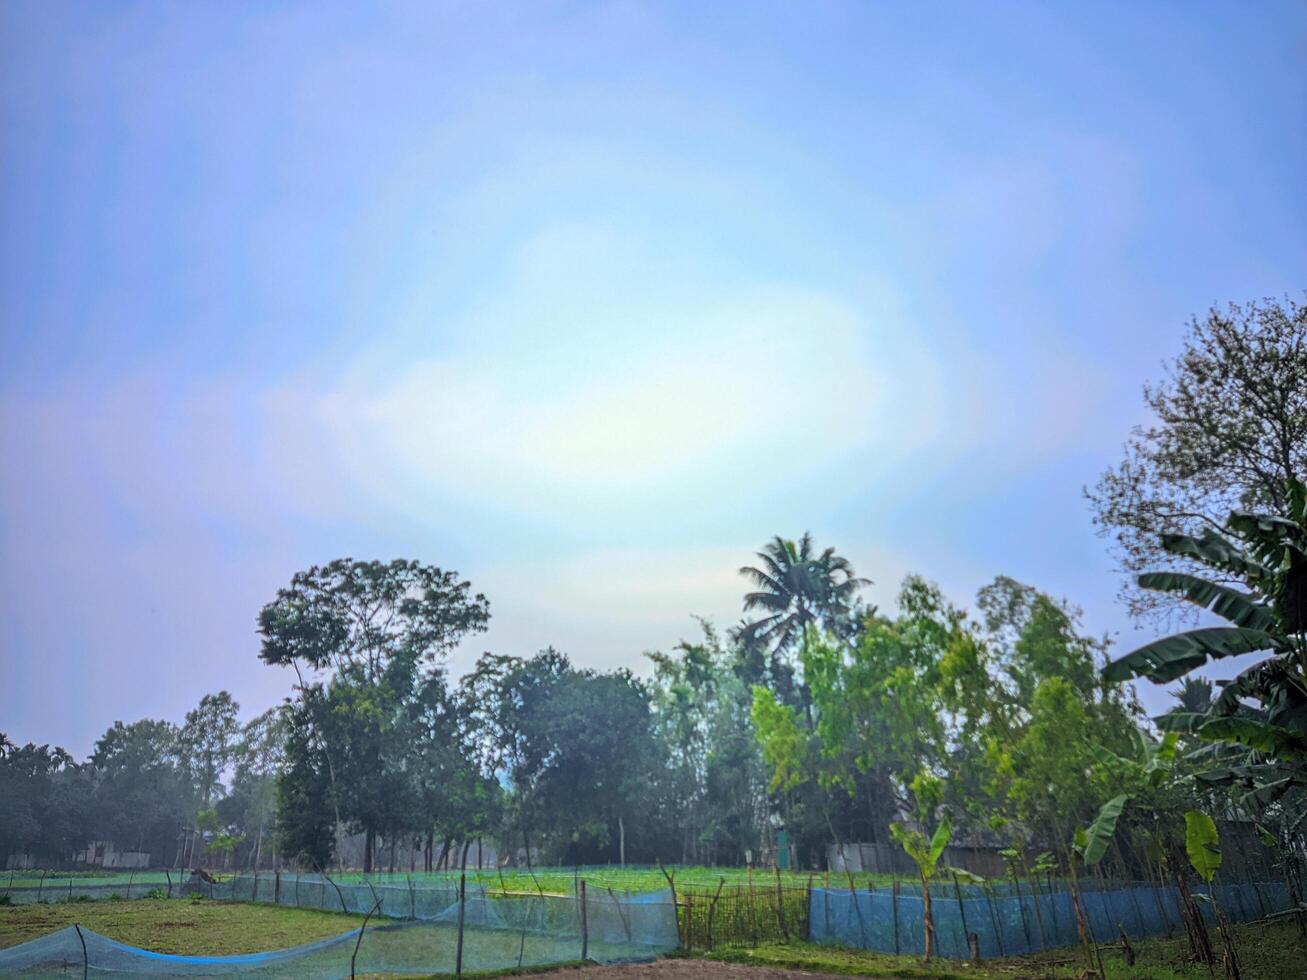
{"x": 587, "y": 301}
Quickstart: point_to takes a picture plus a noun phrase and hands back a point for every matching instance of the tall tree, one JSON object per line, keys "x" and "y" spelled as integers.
{"x": 375, "y": 630}
{"x": 1229, "y": 430}
{"x": 363, "y": 614}
{"x": 252, "y": 802}
{"x": 142, "y": 797}
{"x": 207, "y": 743}
{"x": 796, "y": 588}
{"x": 578, "y": 749}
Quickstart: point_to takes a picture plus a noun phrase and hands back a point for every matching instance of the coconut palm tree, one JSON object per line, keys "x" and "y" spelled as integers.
{"x": 1194, "y": 695}
{"x": 795, "y": 588}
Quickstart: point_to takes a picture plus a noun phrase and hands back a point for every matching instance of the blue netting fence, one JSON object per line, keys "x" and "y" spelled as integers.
{"x": 1006, "y": 923}
{"x": 499, "y": 932}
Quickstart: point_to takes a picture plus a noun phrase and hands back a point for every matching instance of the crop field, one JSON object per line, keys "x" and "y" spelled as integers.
{"x": 636, "y": 880}
{"x": 553, "y": 880}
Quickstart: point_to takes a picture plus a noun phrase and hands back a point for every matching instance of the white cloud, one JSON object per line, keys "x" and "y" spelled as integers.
{"x": 558, "y": 400}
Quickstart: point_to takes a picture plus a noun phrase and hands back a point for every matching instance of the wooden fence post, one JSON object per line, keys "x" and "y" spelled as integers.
{"x": 689, "y": 921}
{"x": 993, "y": 919}
{"x": 962, "y": 912}
{"x": 807, "y": 904}
{"x": 780, "y": 906}
{"x": 462, "y": 901}
{"x": 585, "y": 926}
{"x": 896, "y": 917}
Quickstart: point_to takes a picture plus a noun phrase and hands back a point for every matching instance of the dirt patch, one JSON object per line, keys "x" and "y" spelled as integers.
{"x": 678, "y": 969}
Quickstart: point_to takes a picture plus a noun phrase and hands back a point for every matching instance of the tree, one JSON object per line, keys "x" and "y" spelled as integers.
{"x": 45, "y": 802}
{"x": 795, "y": 589}
{"x": 305, "y": 795}
{"x": 363, "y": 614}
{"x": 577, "y": 747}
{"x": 1261, "y": 715}
{"x": 207, "y": 743}
{"x": 251, "y": 804}
{"x": 1229, "y": 431}
{"x": 376, "y": 630}
{"x": 141, "y": 796}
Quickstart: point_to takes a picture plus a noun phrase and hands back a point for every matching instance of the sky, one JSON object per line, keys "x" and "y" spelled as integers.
{"x": 588, "y": 301}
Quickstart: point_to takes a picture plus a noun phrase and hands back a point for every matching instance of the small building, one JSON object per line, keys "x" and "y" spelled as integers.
{"x": 105, "y": 854}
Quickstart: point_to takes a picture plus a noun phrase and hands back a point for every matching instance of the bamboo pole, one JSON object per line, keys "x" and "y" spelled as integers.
{"x": 712, "y": 910}
{"x": 585, "y": 926}
{"x": 462, "y": 912}
{"x": 896, "y": 916}
{"x": 962, "y": 910}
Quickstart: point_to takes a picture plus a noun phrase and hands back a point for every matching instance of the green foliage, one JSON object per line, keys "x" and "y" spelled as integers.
{"x": 1174, "y": 656}
{"x": 1093, "y": 842}
{"x": 1257, "y": 727}
{"x": 1228, "y": 430}
{"x": 1202, "y": 843}
{"x": 925, "y": 853}
{"x": 1240, "y": 608}
{"x": 354, "y": 614}
{"x": 796, "y": 588}
{"x": 784, "y": 745}
{"x": 1266, "y": 738}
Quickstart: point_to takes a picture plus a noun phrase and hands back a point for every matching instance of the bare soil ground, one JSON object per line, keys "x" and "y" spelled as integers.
{"x": 677, "y": 969}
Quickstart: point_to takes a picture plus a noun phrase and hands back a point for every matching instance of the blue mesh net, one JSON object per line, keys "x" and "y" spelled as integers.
{"x": 1006, "y": 923}
{"x": 499, "y": 933}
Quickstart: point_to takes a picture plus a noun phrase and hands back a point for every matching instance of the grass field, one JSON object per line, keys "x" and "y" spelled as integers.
{"x": 201, "y": 927}
{"x": 184, "y": 926}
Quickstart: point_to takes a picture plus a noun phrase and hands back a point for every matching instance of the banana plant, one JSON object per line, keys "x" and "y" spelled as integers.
{"x": 925, "y": 854}
{"x": 1090, "y": 844}
{"x": 1257, "y": 727}
{"x": 1202, "y": 842}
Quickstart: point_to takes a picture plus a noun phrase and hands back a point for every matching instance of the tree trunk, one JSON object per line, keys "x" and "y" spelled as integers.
{"x": 369, "y": 839}
{"x": 621, "y": 841}
{"x": 1200, "y": 943}
{"x": 927, "y": 918}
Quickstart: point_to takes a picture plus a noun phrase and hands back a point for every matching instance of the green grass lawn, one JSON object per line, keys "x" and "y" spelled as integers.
{"x": 1266, "y": 952}
{"x": 183, "y": 926}
{"x": 202, "y": 927}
